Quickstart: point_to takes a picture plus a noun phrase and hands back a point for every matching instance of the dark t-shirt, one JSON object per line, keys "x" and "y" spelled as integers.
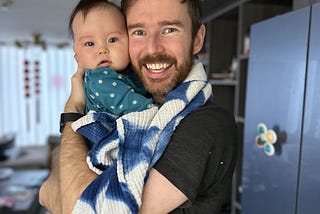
{"x": 200, "y": 159}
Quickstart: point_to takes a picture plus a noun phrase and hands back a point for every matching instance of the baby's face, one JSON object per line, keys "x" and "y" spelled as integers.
{"x": 101, "y": 39}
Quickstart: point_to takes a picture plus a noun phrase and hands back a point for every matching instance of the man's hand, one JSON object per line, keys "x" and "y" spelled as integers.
{"x": 76, "y": 101}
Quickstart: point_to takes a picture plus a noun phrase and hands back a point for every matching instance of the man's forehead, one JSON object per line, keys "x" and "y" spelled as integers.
{"x": 156, "y": 11}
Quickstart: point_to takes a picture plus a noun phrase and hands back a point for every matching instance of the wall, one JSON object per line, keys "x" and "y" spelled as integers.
{"x": 31, "y": 101}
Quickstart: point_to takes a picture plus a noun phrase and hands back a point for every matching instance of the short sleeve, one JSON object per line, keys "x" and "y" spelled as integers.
{"x": 200, "y": 157}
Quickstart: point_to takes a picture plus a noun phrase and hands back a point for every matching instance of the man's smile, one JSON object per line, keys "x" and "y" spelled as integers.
{"x": 157, "y": 67}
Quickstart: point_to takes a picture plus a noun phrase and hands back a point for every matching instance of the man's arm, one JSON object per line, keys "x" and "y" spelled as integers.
{"x": 70, "y": 174}
{"x": 75, "y": 175}
{"x": 160, "y": 195}
{"x": 49, "y": 193}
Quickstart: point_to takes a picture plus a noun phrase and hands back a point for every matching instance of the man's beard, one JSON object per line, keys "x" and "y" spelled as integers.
{"x": 160, "y": 91}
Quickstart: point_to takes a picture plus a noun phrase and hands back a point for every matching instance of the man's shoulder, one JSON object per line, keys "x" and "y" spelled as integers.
{"x": 210, "y": 112}
{"x": 211, "y": 122}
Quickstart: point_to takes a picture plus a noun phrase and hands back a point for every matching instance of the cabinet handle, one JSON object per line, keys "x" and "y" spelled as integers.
{"x": 265, "y": 139}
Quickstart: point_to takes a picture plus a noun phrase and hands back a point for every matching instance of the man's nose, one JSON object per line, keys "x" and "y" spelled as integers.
{"x": 155, "y": 44}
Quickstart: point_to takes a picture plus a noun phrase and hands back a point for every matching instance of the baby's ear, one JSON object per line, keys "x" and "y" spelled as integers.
{"x": 75, "y": 57}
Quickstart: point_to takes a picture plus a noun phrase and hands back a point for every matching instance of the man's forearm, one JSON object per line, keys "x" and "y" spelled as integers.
{"x": 75, "y": 175}
{"x": 160, "y": 195}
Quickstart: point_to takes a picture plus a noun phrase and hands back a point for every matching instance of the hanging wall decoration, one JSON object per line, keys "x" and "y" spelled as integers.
{"x": 27, "y": 92}
{"x": 37, "y": 88}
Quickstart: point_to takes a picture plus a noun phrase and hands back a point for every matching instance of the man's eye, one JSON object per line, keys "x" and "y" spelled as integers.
{"x": 89, "y": 44}
{"x": 169, "y": 30}
{"x": 138, "y": 33}
{"x": 112, "y": 40}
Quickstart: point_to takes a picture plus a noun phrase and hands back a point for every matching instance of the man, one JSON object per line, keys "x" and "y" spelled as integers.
{"x": 195, "y": 171}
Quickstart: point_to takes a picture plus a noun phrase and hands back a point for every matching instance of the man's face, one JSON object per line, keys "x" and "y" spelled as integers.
{"x": 101, "y": 39}
{"x": 160, "y": 43}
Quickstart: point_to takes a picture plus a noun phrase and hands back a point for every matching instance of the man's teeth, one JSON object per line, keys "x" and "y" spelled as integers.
{"x": 157, "y": 66}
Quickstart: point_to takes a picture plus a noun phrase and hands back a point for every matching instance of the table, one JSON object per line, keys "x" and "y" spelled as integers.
{"x": 23, "y": 187}
{"x": 27, "y": 157}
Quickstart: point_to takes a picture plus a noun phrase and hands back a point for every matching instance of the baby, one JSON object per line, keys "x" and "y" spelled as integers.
{"x": 100, "y": 39}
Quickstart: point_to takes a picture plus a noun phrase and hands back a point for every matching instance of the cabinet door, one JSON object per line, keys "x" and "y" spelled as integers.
{"x": 309, "y": 189}
{"x": 275, "y": 96}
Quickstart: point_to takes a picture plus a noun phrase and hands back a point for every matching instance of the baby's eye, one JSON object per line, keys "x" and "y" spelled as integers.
{"x": 169, "y": 30}
{"x": 112, "y": 40}
{"x": 89, "y": 44}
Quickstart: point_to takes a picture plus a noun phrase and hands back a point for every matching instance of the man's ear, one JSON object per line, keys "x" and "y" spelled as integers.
{"x": 199, "y": 39}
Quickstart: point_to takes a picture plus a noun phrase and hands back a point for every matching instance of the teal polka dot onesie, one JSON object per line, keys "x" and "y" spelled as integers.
{"x": 115, "y": 93}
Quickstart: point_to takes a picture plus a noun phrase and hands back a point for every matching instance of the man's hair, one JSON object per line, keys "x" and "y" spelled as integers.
{"x": 193, "y": 7}
{"x": 84, "y": 6}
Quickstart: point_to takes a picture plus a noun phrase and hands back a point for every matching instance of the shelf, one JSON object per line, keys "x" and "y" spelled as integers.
{"x": 237, "y": 205}
{"x": 239, "y": 119}
{"x": 243, "y": 57}
{"x": 226, "y": 82}
{"x": 228, "y": 38}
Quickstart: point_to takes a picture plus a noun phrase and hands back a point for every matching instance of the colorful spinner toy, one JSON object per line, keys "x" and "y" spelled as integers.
{"x": 266, "y": 138}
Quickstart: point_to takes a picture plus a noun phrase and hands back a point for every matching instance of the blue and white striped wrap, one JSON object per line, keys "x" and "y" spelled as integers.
{"x": 125, "y": 148}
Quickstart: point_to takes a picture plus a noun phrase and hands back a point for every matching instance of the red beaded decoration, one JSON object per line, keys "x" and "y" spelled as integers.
{"x": 37, "y": 88}
{"x": 27, "y": 91}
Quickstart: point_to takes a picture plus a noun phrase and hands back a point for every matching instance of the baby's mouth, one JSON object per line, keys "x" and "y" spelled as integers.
{"x": 104, "y": 63}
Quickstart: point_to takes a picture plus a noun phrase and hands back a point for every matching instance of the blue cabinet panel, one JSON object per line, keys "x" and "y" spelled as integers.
{"x": 309, "y": 188}
{"x": 275, "y": 96}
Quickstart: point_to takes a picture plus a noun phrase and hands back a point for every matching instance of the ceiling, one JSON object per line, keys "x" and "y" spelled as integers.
{"x": 49, "y": 18}
{"x": 25, "y": 17}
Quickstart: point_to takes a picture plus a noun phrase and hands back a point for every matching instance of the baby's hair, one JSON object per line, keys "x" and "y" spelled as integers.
{"x": 84, "y": 6}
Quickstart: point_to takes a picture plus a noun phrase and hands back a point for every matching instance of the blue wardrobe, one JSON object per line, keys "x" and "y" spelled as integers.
{"x": 281, "y": 157}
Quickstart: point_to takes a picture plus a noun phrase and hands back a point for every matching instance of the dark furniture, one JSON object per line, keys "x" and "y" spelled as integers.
{"x": 23, "y": 187}
{"x": 6, "y": 142}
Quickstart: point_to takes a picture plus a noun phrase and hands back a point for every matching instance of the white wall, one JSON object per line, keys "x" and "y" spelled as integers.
{"x": 33, "y": 122}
